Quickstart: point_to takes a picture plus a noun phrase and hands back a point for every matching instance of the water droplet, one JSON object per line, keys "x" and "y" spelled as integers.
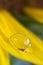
{"x": 20, "y": 41}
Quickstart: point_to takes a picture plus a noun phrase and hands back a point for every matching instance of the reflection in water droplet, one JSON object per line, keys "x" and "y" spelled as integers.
{"x": 26, "y": 42}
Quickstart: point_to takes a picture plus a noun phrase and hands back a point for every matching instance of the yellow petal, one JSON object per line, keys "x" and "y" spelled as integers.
{"x": 4, "y": 58}
{"x": 8, "y": 27}
{"x": 36, "y": 13}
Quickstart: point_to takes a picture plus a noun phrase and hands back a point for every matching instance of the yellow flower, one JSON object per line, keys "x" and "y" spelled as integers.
{"x": 10, "y": 26}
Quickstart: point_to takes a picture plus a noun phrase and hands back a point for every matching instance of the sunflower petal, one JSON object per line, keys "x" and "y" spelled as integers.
{"x": 35, "y": 13}
{"x": 10, "y": 26}
{"x": 4, "y": 58}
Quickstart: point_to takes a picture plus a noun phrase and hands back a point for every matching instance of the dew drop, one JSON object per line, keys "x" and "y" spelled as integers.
{"x": 20, "y": 41}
